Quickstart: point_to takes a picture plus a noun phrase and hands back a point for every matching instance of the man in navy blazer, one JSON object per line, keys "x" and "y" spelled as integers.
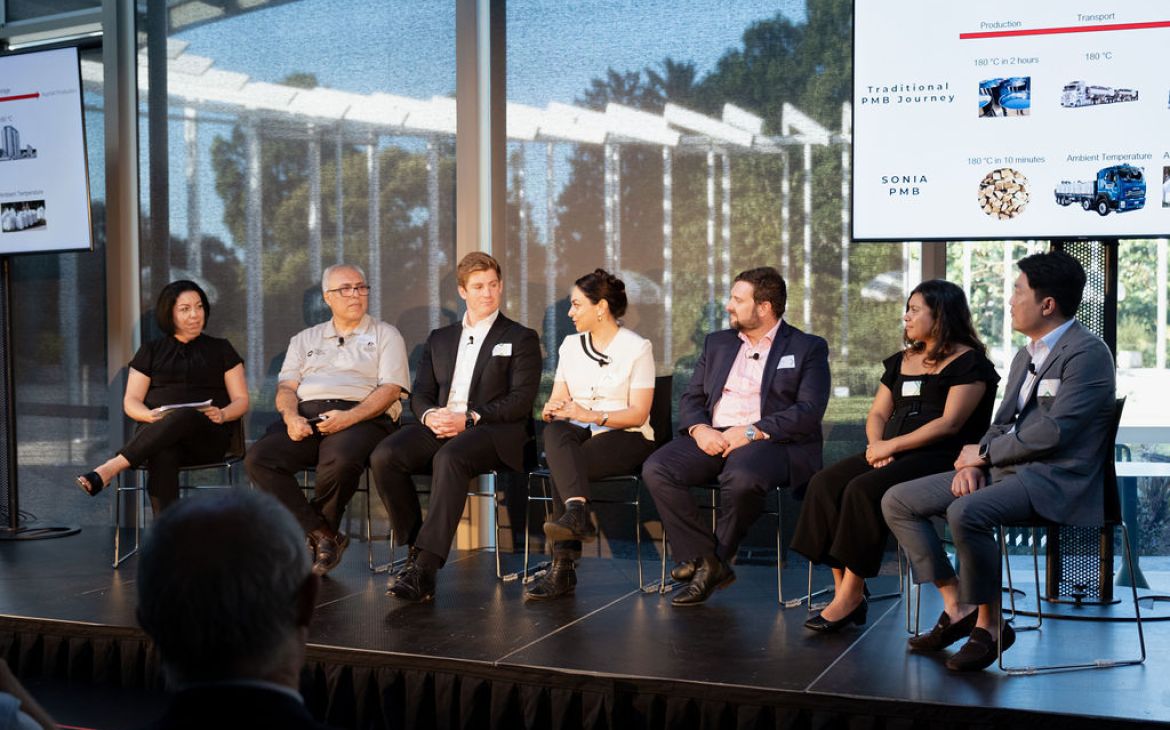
{"x": 473, "y": 394}
{"x": 750, "y": 419}
{"x": 1042, "y": 457}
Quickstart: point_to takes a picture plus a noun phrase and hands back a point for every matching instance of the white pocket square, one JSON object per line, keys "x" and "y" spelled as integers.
{"x": 504, "y": 349}
{"x": 1048, "y": 388}
{"x": 787, "y": 361}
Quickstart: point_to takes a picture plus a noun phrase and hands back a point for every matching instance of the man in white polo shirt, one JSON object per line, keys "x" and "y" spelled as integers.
{"x": 338, "y": 395}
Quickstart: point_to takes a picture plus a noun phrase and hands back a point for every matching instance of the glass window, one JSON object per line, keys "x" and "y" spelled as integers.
{"x": 649, "y": 139}
{"x": 33, "y": 9}
{"x": 282, "y": 138}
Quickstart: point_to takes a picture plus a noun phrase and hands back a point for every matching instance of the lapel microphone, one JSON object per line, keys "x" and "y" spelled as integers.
{"x": 754, "y": 356}
{"x": 340, "y": 341}
{"x": 1032, "y": 368}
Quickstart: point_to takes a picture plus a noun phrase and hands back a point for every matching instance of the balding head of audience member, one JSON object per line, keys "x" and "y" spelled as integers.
{"x": 225, "y": 589}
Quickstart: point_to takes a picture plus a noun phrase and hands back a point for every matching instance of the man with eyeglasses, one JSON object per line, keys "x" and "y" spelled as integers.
{"x": 473, "y": 395}
{"x": 338, "y": 395}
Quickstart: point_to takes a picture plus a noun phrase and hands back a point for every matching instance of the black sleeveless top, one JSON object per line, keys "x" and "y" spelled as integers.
{"x": 921, "y": 398}
{"x": 186, "y": 372}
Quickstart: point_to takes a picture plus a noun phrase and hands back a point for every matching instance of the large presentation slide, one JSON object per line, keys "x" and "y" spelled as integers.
{"x": 1011, "y": 119}
{"x": 44, "y": 185}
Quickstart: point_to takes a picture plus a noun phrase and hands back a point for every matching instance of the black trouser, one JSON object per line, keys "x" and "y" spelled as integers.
{"x": 184, "y": 437}
{"x": 744, "y": 478}
{"x": 575, "y": 458}
{"x": 841, "y": 523}
{"x": 273, "y": 462}
{"x": 415, "y": 449}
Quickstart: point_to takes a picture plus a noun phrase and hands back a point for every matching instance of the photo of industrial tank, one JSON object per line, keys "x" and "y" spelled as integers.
{"x": 23, "y": 215}
{"x": 1005, "y": 97}
{"x": 1120, "y": 188}
{"x": 1081, "y": 93}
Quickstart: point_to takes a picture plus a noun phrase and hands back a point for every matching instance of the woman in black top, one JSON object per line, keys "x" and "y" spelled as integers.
{"x": 187, "y": 367}
{"x": 935, "y": 396}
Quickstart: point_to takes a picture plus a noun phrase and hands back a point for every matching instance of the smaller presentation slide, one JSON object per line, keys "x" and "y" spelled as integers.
{"x": 1011, "y": 120}
{"x": 44, "y": 180}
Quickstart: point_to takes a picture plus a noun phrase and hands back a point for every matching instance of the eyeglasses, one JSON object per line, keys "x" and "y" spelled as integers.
{"x": 361, "y": 290}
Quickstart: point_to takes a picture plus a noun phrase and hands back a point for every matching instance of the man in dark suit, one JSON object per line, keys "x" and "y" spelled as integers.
{"x": 751, "y": 418}
{"x": 229, "y": 615}
{"x": 473, "y": 394}
{"x": 1042, "y": 457}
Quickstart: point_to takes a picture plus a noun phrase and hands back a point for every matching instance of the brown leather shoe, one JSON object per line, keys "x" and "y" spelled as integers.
{"x": 944, "y": 632}
{"x": 329, "y": 549}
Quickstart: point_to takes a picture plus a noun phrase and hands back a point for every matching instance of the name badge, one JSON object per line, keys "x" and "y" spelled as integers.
{"x": 1048, "y": 388}
{"x": 504, "y": 349}
{"x": 786, "y": 362}
{"x": 911, "y": 388}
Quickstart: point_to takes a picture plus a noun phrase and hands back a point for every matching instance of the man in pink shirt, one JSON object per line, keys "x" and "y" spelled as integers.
{"x": 750, "y": 419}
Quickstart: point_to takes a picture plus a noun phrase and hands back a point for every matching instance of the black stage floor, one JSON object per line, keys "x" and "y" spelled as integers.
{"x": 740, "y": 647}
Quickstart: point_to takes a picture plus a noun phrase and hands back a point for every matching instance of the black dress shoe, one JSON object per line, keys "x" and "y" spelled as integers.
{"x": 825, "y": 626}
{"x": 414, "y": 584}
{"x": 329, "y": 549}
{"x": 575, "y": 524}
{"x": 981, "y": 650}
{"x": 683, "y": 572}
{"x": 411, "y": 557}
{"x": 559, "y": 580}
{"x": 944, "y": 632}
{"x": 711, "y": 574}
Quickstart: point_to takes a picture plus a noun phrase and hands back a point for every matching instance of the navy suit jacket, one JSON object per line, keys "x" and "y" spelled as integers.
{"x": 793, "y": 398}
{"x": 503, "y": 387}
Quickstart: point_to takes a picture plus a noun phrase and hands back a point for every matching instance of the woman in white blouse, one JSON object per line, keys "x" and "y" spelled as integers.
{"x": 598, "y": 419}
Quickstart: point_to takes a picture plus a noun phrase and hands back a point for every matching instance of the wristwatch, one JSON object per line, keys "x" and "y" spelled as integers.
{"x": 985, "y": 453}
{"x": 470, "y": 421}
{"x": 750, "y": 432}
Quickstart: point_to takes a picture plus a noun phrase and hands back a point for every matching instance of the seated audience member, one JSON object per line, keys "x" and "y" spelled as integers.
{"x": 18, "y": 709}
{"x": 1042, "y": 457}
{"x": 598, "y": 418}
{"x": 935, "y": 396}
{"x": 751, "y": 419}
{"x": 338, "y": 395}
{"x": 229, "y": 615}
{"x": 473, "y": 396}
{"x": 185, "y": 367}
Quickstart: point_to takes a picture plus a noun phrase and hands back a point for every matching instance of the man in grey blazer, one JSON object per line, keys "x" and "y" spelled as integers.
{"x": 1043, "y": 457}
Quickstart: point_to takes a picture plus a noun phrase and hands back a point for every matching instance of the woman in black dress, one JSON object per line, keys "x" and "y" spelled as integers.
{"x": 186, "y": 367}
{"x": 936, "y": 395}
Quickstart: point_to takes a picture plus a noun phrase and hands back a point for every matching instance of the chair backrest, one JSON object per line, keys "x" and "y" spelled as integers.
{"x": 1112, "y": 498}
{"x": 661, "y": 409}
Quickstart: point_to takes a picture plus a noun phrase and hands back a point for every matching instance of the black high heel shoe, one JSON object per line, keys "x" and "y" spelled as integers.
{"x": 825, "y": 626}
{"x": 90, "y": 483}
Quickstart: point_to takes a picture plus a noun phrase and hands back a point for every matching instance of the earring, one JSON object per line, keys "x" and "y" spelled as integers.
{"x": 599, "y": 315}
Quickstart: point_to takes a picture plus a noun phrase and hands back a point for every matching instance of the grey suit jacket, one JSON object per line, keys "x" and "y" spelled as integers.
{"x": 1056, "y": 445}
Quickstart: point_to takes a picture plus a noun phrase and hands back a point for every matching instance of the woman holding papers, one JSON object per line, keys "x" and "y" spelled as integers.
{"x": 936, "y": 394}
{"x": 186, "y": 391}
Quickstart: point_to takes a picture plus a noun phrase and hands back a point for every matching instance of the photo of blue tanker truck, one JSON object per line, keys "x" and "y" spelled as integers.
{"x": 1120, "y": 188}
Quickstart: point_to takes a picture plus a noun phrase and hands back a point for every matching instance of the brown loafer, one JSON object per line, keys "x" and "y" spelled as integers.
{"x": 944, "y": 632}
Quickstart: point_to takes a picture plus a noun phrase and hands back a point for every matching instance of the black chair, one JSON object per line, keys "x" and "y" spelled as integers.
{"x": 1112, "y": 519}
{"x": 474, "y": 493}
{"x": 233, "y": 456}
{"x": 661, "y": 423}
{"x": 778, "y": 513}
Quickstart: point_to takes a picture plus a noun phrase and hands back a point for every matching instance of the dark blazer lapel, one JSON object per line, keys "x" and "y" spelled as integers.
{"x": 494, "y": 335}
{"x": 722, "y": 358}
{"x": 446, "y": 350}
{"x": 778, "y": 350}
